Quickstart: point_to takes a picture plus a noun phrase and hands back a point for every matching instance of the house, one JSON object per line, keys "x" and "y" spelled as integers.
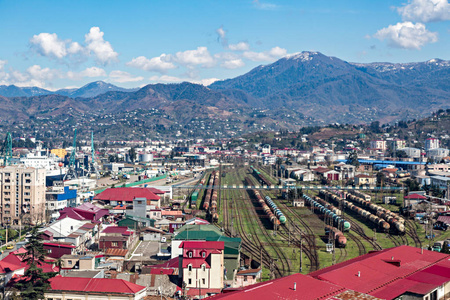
{"x": 94, "y": 288}
{"x": 58, "y": 249}
{"x": 202, "y": 267}
{"x": 414, "y": 199}
{"x": 362, "y": 179}
{"x": 85, "y": 212}
{"x": 247, "y": 277}
{"x": 347, "y": 171}
{"x": 328, "y": 174}
{"x": 124, "y": 195}
{"x": 116, "y": 237}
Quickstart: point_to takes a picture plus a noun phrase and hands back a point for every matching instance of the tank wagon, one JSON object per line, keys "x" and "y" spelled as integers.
{"x": 380, "y": 223}
{"x": 361, "y": 195}
{"x": 273, "y": 219}
{"x": 213, "y": 206}
{"x": 207, "y": 200}
{"x": 261, "y": 178}
{"x": 394, "y": 220}
{"x": 338, "y": 221}
{"x": 277, "y": 212}
{"x": 339, "y": 239}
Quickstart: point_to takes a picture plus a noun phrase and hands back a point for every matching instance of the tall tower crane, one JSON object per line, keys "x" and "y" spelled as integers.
{"x": 93, "y": 166}
{"x": 72, "y": 172}
{"x": 7, "y": 150}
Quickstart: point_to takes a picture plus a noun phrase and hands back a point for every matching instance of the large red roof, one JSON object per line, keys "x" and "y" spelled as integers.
{"x": 99, "y": 285}
{"x": 115, "y": 229}
{"x": 415, "y": 196}
{"x": 381, "y": 270}
{"x": 126, "y": 194}
{"x": 202, "y": 245}
{"x": 283, "y": 288}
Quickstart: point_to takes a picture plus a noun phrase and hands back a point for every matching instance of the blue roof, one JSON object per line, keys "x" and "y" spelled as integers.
{"x": 388, "y": 162}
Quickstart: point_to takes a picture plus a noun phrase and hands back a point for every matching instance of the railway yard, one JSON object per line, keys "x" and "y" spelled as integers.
{"x": 331, "y": 227}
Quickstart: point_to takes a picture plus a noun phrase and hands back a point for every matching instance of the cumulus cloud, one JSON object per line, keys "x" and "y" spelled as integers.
{"x": 229, "y": 60}
{"x": 173, "y": 79}
{"x": 233, "y": 64}
{"x": 406, "y": 35}
{"x": 88, "y": 72}
{"x": 121, "y": 76}
{"x": 241, "y": 46}
{"x": 2, "y": 64}
{"x": 199, "y": 56}
{"x": 48, "y": 44}
{"x": 425, "y": 11}
{"x": 158, "y": 64}
{"x": 270, "y": 55}
{"x": 101, "y": 49}
{"x": 33, "y": 76}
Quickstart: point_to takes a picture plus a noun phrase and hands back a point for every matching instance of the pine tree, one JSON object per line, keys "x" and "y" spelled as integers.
{"x": 35, "y": 282}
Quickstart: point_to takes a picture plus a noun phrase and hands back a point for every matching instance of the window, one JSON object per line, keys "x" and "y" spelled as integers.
{"x": 189, "y": 281}
{"x": 7, "y": 205}
{"x": 7, "y": 187}
{"x": 189, "y": 268}
{"x": 114, "y": 244}
{"x": 69, "y": 262}
{"x": 139, "y": 202}
{"x": 245, "y": 278}
{"x": 27, "y": 200}
{"x": 7, "y": 193}
{"x": 28, "y": 181}
{"x": 203, "y": 281}
{"x": 7, "y": 174}
{"x": 27, "y": 193}
{"x": 49, "y": 250}
{"x": 190, "y": 254}
{"x": 7, "y": 199}
{"x": 203, "y": 254}
{"x": 7, "y": 212}
{"x": 27, "y": 187}
{"x": 203, "y": 268}
{"x": 27, "y": 175}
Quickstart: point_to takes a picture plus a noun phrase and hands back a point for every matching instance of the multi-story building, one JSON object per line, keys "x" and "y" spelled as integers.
{"x": 398, "y": 144}
{"x": 22, "y": 195}
{"x": 202, "y": 266}
{"x": 378, "y": 144}
{"x": 432, "y": 143}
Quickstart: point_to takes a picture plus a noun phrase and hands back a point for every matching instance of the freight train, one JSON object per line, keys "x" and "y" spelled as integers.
{"x": 208, "y": 193}
{"x": 273, "y": 219}
{"x": 328, "y": 211}
{"x": 275, "y": 210}
{"x": 261, "y": 178}
{"x": 339, "y": 239}
{"x": 380, "y": 223}
{"x": 213, "y": 207}
{"x": 394, "y": 220}
{"x": 194, "y": 195}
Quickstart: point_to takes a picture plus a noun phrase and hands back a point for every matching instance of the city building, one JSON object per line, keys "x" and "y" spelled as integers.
{"x": 432, "y": 143}
{"x": 378, "y": 144}
{"x": 22, "y": 193}
{"x": 59, "y": 197}
{"x": 202, "y": 267}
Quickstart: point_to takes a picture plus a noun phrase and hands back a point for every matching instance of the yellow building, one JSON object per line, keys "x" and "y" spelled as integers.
{"x": 59, "y": 152}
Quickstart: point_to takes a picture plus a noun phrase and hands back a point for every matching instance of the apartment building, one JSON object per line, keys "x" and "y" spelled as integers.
{"x": 22, "y": 195}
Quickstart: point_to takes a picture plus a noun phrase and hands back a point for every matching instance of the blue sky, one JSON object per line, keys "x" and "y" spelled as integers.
{"x": 57, "y": 44}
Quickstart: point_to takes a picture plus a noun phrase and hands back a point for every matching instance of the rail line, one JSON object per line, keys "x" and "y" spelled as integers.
{"x": 412, "y": 232}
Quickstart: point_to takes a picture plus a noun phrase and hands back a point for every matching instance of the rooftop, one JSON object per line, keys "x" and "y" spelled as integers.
{"x": 99, "y": 285}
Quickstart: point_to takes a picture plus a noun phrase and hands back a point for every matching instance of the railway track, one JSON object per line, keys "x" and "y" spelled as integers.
{"x": 355, "y": 227}
{"x": 342, "y": 255}
{"x": 412, "y": 232}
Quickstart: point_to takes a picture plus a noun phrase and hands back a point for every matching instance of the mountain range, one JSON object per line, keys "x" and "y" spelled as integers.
{"x": 303, "y": 88}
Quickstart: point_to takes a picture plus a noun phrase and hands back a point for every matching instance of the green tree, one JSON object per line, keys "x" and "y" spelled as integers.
{"x": 35, "y": 282}
{"x": 353, "y": 159}
{"x": 132, "y": 154}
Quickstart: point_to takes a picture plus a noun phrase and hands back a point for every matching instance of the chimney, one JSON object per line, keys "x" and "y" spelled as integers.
{"x": 359, "y": 274}
{"x": 295, "y": 286}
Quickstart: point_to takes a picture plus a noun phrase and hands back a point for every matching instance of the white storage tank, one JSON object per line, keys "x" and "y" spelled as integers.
{"x": 145, "y": 157}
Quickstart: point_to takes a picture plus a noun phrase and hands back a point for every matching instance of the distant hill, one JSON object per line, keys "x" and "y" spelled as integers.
{"x": 306, "y": 88}
{"x": 92, "y": 89}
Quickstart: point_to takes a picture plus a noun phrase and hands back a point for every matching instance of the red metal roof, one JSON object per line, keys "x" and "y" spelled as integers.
{"x": 115, "y": 229}
{"x": 195, "y": 262}
{"x": 283, "y": 288}
{"x": 126, "y": 194}
{"x": 116, "y": 252}
{"x": 202, "y": 245}
{"x": 156, "y": 191}
{"x": 99, "y": 285}
{"x": 60, "y": 244}
{"x": 415, "y": 196}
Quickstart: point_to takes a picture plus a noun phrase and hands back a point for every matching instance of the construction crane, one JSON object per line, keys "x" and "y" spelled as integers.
{"x": 7, "y": 150}
{"x": 72, "y": 172}
{"x": 93, "y": 166}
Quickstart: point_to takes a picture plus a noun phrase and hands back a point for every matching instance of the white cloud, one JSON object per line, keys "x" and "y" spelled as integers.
{"x": 406, "y": 35}
{"x": 241, "y": 46}
{"x": 158, "y": 64}
{"x": 264, "y": 5}
{"x": 88, "y": 72}
{"x": 75, "y": 48}
{"x": 33, "y": 76}
{"x": 200, "y": 56}
{"x": 48, "y": 44}
{"x": 221, "y": 32}
{"x": 42, "y": 74}
{"x": 270, "y": 55}
{"x": 233, "y": 64}
{"x": 101, "y": 49}
{"x": 2, "y": 64}
{"x": 173, "y": 79}
{"x": 121, "y": 76}
{"x": 425, "y": 11}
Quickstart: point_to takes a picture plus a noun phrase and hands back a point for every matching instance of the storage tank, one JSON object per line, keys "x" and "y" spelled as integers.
{"x": 145, "y": 157}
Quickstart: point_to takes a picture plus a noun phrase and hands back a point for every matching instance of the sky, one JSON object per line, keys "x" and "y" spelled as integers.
{"x": 57, "y": 44}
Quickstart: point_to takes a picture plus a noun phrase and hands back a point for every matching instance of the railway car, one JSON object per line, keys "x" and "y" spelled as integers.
{"x": 275, "y": 210}
{"x": 340, "y": 240}
{"x": 267, "y": 210}
{"x": 338, "y": 221}
{"x": 380, "y": 223}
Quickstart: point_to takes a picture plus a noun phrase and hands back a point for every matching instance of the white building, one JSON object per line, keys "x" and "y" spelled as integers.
{"x": 378, "y": 144}
{"x": 432, "y": 143}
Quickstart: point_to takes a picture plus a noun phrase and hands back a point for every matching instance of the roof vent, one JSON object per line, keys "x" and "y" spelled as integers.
{"x": 392, "y": 258}
{"x": 295, "y": 286}
{"x": 359, "y": 274}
